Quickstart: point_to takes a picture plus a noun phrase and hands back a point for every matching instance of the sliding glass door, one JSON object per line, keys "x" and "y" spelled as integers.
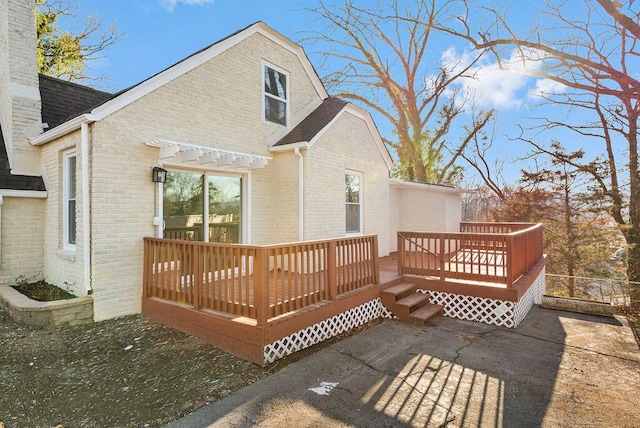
{"x": 189, "y": 215}
{"x": 225, "y": 208}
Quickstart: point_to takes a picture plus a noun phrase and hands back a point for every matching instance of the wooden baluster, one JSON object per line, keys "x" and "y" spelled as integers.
{"x": 198, "y": 274}
{"x": 442, "y": 238}
{"x": 332, "y": 277}
{"x": 261, "y": 286}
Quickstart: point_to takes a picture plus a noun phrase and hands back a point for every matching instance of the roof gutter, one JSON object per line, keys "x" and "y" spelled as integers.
{"x": 10, "y": 193}
{"x": 86, "y": 206}
{"x": 289, "y": 147}
{"x": 395, "y": 182}
{"x": 300, "y": 194}
{"x": 63, "y": 129}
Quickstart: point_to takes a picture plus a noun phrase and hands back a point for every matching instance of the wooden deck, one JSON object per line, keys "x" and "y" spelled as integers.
{"x": 244, "y": 297}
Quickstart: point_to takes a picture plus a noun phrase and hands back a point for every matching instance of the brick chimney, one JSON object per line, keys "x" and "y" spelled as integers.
{"x": 20, "y": 107}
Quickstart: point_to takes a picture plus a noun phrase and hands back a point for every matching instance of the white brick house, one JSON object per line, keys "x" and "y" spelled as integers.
{"x": 252, "y": 143}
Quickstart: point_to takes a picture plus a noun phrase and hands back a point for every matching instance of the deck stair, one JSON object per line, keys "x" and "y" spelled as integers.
{"x": 408, "y": 305}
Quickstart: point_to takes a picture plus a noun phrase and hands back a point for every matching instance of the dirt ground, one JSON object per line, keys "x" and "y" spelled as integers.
{"x": 126, "y": 372}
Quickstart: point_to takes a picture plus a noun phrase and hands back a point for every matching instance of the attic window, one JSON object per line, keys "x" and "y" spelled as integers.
{"x": 276, "y": 92}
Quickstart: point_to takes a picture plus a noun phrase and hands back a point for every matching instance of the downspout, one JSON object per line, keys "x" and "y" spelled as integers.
{"x": 86, "y": 208}
{"x": 300, "y": 194}
{"x": 1, "y": 203}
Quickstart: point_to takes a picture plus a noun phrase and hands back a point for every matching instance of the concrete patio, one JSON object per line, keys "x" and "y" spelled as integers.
{"x": 556, "y": 369}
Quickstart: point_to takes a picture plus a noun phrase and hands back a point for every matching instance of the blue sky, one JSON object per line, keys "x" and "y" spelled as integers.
{"x": 159, "y": 33}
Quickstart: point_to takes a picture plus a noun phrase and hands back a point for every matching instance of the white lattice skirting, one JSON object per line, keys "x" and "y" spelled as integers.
{"x": 326, "y": 329}
{"x": 489, "y": 311}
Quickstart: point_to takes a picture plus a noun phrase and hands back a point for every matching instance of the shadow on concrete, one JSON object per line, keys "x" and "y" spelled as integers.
{"x": 450, "y": 372}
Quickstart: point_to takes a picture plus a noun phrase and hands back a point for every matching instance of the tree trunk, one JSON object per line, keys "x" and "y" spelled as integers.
{"x": 632, "y": 234}
{"x": 633, "y": 265}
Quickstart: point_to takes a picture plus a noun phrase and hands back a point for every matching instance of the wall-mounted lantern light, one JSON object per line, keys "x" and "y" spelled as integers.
{"x": 159, "y": 174}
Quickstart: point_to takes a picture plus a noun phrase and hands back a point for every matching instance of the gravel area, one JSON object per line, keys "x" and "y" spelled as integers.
{"x": 126, "y": 372}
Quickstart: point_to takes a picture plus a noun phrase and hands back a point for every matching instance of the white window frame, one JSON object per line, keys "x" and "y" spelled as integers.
{"x": 245, "y": 208}
{"x": 267, "y": 94}
{"x": 360, "y": 203}
{"x": 66, "y": 198}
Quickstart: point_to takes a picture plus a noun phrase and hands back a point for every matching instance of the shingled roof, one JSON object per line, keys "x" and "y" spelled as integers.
{"x": 61, "y": 100}
{"x": 314, "y": 123}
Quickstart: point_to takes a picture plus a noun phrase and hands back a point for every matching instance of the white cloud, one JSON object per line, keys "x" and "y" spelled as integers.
{"x": 491, "y": 86}
{"x": 170, "y": 5}
{"x": 546, "y": 87}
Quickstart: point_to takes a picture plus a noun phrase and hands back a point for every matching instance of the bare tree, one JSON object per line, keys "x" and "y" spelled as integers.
{"x": 580, "y": 236}
{"x": 64, "y": 54}
{"x": 490, "y": 172}
{"x": 593, "y": 56}
{"x": 385, "y": 65}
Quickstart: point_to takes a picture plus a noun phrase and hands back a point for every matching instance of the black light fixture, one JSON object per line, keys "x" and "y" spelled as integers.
{"x": 159, "y": 174}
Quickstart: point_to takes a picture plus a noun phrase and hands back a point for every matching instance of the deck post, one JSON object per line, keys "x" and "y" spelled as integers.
{"x": 400, "y": 253}
{"x": 261, "y": 283}
{"x": 376, "y": 260}
{"x": 509, "y": 262}
{"x": 441, "y": 261}
{"x": 197, "y": 276}
{"x": 529, "y": 251}
{"x": 332, "y": 280}
{"x": 146, "y": 265}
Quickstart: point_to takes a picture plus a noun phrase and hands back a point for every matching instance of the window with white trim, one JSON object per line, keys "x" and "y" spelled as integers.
{"x": 276, "y": 95}
{"x": 69, "y": 197}
{"x": 189, "y": 198}
{"x": 353, "y": 201}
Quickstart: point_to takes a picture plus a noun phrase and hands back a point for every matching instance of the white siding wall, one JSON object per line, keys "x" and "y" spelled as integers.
{"x": 22, "y": 231}
{"x": 346, "y": 146}
{"x": 394, "y": 217}
{"x": 286, "y": 196}
{"x": 423, "y": 210}
{"x": 218, "y": 104}
{"x": 62, "y": 267}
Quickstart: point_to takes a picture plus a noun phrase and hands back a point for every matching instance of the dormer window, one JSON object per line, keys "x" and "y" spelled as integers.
{"x": 276, "y": 95}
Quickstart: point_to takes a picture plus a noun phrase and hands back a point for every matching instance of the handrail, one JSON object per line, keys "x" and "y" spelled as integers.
{"x": 400, "y": 234}
{"x": 476, "y": 256}
{"x": 519, "y": 225}
{"x": 258, "y": 281}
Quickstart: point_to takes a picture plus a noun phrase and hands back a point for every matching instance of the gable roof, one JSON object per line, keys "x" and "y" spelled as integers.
{"x": 9, "y": 181}
{"x": 312, "y": 127}
{"x": 133, "y": 93}
{"x": 308, "y": 129}
{"x": 315, "y": 122}
{"x": 62, "y": 100}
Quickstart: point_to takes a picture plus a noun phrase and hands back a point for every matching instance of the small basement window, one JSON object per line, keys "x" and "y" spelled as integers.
{"x": 276, "y": 90}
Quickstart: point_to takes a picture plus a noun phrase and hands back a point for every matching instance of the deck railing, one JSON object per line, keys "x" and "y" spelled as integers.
{"x": 254, "y": 281}
{"x": 218, "y": 232}
{"x": 482, "y": 227}
{"x": 488, "y": 252}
